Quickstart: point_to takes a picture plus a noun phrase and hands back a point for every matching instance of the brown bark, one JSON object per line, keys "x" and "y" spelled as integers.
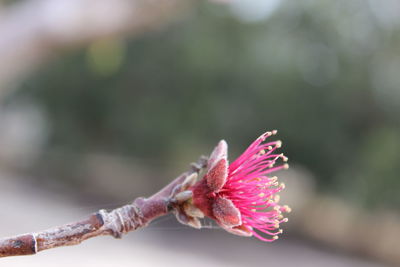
{"x": 115, "y": 223}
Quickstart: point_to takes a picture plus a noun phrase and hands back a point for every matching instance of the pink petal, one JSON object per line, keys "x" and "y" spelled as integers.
{"x": 240, "y": 230}
{"x": 219, "y": 152}
{"x": 226, "y": 213}
{"x": 216, "y": 177}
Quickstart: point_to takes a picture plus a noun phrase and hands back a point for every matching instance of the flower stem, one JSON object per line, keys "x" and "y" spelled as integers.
{"x": 117, "y": 222}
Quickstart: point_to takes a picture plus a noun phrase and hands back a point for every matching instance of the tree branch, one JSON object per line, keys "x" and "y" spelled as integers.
{"x": 117, "y": 222}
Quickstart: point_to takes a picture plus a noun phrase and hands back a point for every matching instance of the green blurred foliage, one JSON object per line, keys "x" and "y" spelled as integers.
{"x": 314, "y": 70}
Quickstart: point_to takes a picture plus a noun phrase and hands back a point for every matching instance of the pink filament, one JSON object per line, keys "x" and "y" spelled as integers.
{"x": 253, "y": 192}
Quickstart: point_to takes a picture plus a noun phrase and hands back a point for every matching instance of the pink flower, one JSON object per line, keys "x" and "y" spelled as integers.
{"x": 242, "y": 197}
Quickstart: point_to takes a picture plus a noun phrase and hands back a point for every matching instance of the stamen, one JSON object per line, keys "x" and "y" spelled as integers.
{"x": 253, "y": 192}
{"x": 286, "y": 166}
{"x": 286, "y": 209}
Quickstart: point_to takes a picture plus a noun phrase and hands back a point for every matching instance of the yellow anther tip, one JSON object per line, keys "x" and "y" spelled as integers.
{"x": 287, "y": 208}
{"x": 286, "y": 166}
{"x": 278, "y": 143}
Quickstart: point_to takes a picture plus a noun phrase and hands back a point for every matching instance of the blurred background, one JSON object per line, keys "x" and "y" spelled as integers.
{"x": 103, "y": 101}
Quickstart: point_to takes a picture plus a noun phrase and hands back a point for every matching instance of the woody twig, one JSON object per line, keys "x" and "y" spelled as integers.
{"x": 117, "y": 222}
{"x": 242, "y": 198}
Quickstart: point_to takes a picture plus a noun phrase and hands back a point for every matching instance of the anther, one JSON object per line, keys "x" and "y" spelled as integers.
{"x": 286, "y": 208}
{"x": 286, "y": 166}
{"x": 273, "y": 178}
